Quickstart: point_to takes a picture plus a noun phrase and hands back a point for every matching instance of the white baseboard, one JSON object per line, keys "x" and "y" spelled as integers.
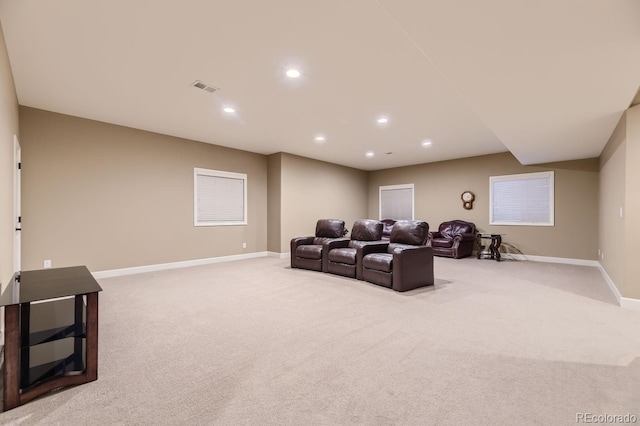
{"x": 629, "y": 303}
{"x": 624, "y": 302}
{"x": 547, "y": 259}
{"x": 175, "y": 265}
{"x": 278, "y": 255}
{"x": 611, "y": 284}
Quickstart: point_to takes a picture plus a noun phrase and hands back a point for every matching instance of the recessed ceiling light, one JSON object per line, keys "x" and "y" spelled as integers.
{"x": 383, "y": 120}
{"x": 426, "y": 143}
{"x": 370, "y": 154}
{"x": 320, "y": 138}
{"x": 229, "y": 110}
{"x": 293, "y": 73}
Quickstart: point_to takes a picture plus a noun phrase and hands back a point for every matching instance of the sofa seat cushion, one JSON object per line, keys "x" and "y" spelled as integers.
{"x": 441, "y": 242}
{"x": 378, "y": 262}
{"x": 343, "y": 255}
{"x": 309, "y": 251}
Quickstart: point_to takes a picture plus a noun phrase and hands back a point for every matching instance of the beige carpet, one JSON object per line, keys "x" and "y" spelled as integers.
{"x": 256, "y": 343}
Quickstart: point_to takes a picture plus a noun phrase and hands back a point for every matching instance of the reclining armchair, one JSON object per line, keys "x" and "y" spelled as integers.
{"x": 407, "y": 263}
{"x": 347, "y": 258}
{"x": 311, "y": 252}
{"x": 455, "y": 239}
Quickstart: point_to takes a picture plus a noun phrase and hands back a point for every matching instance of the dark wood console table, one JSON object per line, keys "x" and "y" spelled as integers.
{"x": 494, "y": 246}
{"x": 23, "y": 382}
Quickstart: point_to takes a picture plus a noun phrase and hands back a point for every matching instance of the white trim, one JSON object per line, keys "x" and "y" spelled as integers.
{"x": 52, "y": 300}
{"x": 278, "y": 255}
{"x": 175, "y": 265}
{"x": 624, "y": 302}
{"x": 611, "y": 284}
{"x": 630, "y": 304}
{"x": 565, "y": 260}
{"x": 17, "y": 209}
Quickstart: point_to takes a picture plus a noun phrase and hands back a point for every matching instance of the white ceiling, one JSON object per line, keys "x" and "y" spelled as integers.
{"x": 547, "y": 79}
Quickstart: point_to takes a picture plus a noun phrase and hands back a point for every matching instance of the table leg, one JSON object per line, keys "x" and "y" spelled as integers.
{"x": 25, "y": 353}
{"x": 496, "y": 241}
{"x": 92, "y": 337}
{"x": 11, "y": 357}
{"x": 77, "y": 342}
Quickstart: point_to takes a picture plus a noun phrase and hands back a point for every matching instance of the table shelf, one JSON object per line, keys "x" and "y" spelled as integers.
{"x": 39, "y": 373}
{"x": 51, "y": 335}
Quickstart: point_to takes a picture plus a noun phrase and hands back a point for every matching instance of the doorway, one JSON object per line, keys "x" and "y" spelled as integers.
{"x": 17, "y": 214}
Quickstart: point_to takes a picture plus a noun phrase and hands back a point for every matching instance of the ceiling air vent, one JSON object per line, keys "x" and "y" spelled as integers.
{"x": 201, "y": 85}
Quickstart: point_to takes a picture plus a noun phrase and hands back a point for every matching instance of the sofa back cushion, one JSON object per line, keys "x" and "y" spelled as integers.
{"x": 411, "y": 232}
{"x": 456, "y": 227}
{"x": 366, "y": 230}
{"x": 330, "y": 228}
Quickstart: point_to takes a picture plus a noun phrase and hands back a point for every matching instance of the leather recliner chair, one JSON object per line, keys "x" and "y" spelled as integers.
{"x": 311, "y": 252}
{"x": 407, "y": 263}
{"x": 455, "y": 239}
{"x": 347, "y": 258}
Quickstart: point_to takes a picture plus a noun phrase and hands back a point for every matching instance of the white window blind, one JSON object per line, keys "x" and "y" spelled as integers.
{"x": 524, "y": 199}
{"x": 220, "y": 198}
{"x": 396, "y": 202}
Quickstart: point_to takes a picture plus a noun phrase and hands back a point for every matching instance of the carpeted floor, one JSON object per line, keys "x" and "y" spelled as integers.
{"x": 256, "y": 343}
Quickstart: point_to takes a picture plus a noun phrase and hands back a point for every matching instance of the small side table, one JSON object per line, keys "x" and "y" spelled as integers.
{"x": 23, "y": 382}
{"x": 494, "y": 246}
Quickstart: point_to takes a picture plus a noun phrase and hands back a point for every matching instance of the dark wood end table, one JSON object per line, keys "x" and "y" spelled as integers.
{"x": 22, "y": 383}
{"x": 494, "y": 246}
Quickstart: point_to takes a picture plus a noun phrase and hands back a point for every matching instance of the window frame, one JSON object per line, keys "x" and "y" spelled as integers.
{"x": 524, "y": 176}
{"x": 392, "y": 187}
{"x": 220, "y": 174}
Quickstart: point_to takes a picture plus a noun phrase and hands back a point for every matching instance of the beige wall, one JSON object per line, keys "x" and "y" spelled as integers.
{"x": 8, "y": 128}
{"x": 437, "y": 199}
{"x": 612, "y": 196}
{"x": 113, "y": 197}
{"x": 313, "y": 190}
{"x": 274, "y": 183}
{"x": 619, "y": 186}
{"x": 631, "y": 286}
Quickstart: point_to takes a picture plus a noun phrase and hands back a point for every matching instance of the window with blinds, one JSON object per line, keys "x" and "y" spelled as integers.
{"x": 220, "y": 198}
{"x": 524, "y": 199}
{"x": 396, "y": 202}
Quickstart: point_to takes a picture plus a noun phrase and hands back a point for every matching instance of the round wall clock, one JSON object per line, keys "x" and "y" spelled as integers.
{"x": 467, "y": 199}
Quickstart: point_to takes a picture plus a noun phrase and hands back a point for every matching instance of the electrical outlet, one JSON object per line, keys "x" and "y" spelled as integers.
{"x": 244, "y": 245}
{"x": 47, "y": 263}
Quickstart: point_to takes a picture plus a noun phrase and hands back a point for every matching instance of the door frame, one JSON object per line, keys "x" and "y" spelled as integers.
{"x": 17, "y": 201}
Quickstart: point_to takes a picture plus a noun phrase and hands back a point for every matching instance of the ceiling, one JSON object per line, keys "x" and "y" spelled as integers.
{"x": 547, "y": 80}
